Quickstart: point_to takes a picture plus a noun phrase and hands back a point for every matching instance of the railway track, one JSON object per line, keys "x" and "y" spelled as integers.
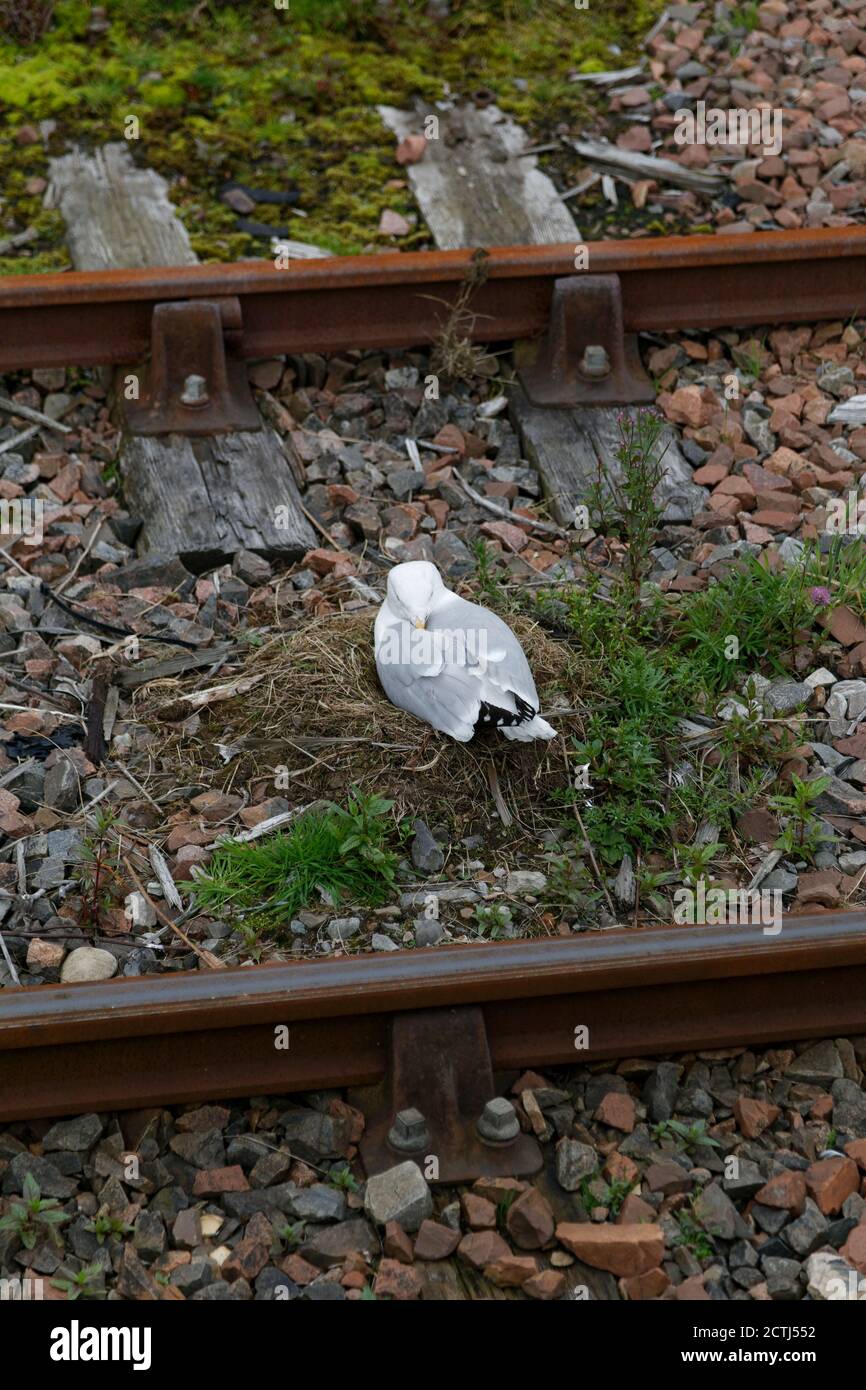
{"x": 359, "y": 1021}
{"x": 397, "y": 300}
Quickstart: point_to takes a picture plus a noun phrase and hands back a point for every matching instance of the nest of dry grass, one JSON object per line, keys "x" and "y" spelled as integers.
{"x": 315, "y": 721}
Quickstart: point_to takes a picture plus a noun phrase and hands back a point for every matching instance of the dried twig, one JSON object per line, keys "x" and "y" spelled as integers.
{"x": 25, "y": 413}
{"x": 502, "y": 810}
{"x": 10, "y": 963}
{"x": 532, "y": 523}
{"x": 207, "y": 957}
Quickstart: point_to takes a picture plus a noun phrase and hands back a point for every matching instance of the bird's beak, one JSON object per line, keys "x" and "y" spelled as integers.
{"x": 419, "y": 624}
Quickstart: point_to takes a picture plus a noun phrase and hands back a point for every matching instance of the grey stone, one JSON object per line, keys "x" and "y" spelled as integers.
{"x": 450, "y": 1216}
{"x": 426, "y": 853}
{"x": 49, "y": 1179}
{"x": 325, "y": 1246}
{"x": 140, "y": 961}
{"x": 75, "y": 1135}
{"x": 840, "y": 798}
{"x": 243, "y": 1205}
{"x": 50, "y": 874}
{"x": 202, "y": 1148}
{"x": 791, "y": 550}
{"x": 521, "y": 882}
{"x": 61, "y": 789}
{"x": 757, "y": 428}
{"x": 783, "y": 1278}
{"x": 273, "y": 1167}
{"x": 405, "y": 481}
{"x": 274, "y": 1286}
{"x": 380, "y": 942}
{"x": 717, "y": 1213}
{"x": 343, "y": 928}
{"x": 783, "y": 880}
{"x": 324, "y": 1291}
{"x": 839, "y": 1230}
{"x": 194, "y": 1276}
{"x": 695, "y": 1101}
{"x": 831, "y": 377}
{"x": 312, "y": 1135}
{"x": 660, "y": 1091}
{"x": 221, "y": 1292}
{"x": 318, "y": 1203}
{"x": 624, "y": 884}
{"x": 808, "y": 1231}
{"x": 742, "y": 1253}
{"x": 452, "y": 556}
{"x": 399, "y": 1194}
{"x": 429, "y": 931}
{"x": 574, "y": 1162}
{"x": 783, "y": 697}
{"x": 818, "y": 1065}
{"x": 748, "y": 1181}
{"x": 149, "y": 1236}
{"x": 461, "y": 894}
{"x": 849, "y": 1108}
{"x": 769, "y": 1219}
{"x": 153, "y": 568}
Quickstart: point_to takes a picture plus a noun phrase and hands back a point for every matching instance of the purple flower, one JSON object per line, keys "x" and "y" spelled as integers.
{"x": 821, "y": 596}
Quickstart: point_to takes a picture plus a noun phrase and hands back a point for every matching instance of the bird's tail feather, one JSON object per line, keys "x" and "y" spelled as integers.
{"x": 525, "y": 733}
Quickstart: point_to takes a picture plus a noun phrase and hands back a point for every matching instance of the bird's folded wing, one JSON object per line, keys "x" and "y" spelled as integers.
{"x": 446, "y": 689}
{"x": 495, "y": 648}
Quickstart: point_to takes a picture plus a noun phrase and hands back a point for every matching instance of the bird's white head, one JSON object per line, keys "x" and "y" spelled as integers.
{"x": 413, "y": 589}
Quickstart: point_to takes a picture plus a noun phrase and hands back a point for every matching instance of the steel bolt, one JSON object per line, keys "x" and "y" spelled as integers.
{"x": 498, "y": 1122}
{"x": 595, "y": 361}
{"x": 408, "y": 1133}
{"x": 194, "y": 391}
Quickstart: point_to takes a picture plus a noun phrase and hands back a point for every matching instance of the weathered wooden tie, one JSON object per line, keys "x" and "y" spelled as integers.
{"x": 206, "y": 497}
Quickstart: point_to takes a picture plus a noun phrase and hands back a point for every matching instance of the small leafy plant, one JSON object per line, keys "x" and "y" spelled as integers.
{"x": 692, "y": 1236}
{"x": 84, "y": 1284}
{"x": 763, "y": 609}
{"x": 491, "y": 919}
{"x": 100, "y": 879}
{"x": 687, "y": 1137}
{"x": 695, "y": 861}
{"x": 485, "y": 572}
{"x": 625, "y": 496}
{"x": 339, "y": 853}
{"x": 343, "y": 1179}
{"x": 291, "y": 1234}
{"x": 802, "y": 833}
{"x": 106, "y": 1227}
{"x": 28, "y": 1217}
{"x": 612, "y": 1198}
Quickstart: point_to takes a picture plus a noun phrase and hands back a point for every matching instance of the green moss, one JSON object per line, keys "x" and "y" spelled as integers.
{"x": 274, "y": 97}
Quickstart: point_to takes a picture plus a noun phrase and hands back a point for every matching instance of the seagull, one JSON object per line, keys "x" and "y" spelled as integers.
{"x": 452, "y": 663}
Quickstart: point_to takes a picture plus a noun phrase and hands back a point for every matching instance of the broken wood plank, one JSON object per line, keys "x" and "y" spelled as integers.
{"x": 203, "y": 499}
{"x": 207, "y": 497}
{"x": 474, "y": 185}
{"x": 118, "y": 217}
{"x": 569, "y": 448}
{"x": 626, "y": 164}
{"x": 144, "y": 671}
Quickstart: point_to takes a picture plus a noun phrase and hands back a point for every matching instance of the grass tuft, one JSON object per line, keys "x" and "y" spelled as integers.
{"x": 334, "y": 855}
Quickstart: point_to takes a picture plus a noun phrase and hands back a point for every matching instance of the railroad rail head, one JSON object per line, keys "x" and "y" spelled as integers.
{"x": 404, "y": 299}
{"x": 365, "y": 1021}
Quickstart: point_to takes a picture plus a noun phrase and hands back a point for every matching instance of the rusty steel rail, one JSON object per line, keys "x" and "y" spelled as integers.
{"x": 132, "y": 1043}
{"x": 400, "y": 299}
